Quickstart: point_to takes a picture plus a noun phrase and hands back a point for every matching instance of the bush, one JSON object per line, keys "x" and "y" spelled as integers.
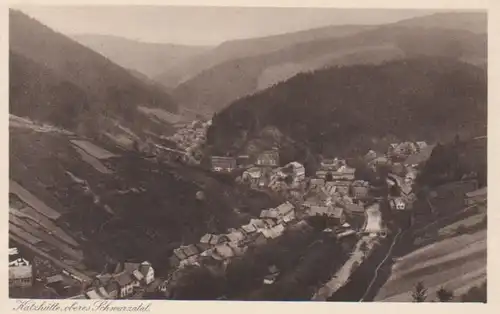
{"x": 476, "y": 294}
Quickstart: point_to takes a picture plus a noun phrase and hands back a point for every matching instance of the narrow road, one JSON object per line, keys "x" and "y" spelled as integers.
{"x": 389, "y": 253}
{"x": 52, "y": 259}
{"x": 342, "y": 276}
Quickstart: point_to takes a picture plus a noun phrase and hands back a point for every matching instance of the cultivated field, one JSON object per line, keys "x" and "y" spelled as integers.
{"x": 93, "y": 150}
{"x": 456, "y": 264}
{"x": 94, "y": 162}
{"x": 33, "y": 201}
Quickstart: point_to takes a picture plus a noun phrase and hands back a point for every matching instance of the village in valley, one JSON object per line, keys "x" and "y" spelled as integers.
{"x": 339, "y": 162}
{"x": 365, "y": 210}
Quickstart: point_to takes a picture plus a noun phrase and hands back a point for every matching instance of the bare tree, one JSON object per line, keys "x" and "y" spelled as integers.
{"x": 420, "y": 292}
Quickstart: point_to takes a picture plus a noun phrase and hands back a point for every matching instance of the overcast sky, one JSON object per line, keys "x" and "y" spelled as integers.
{"x": 202, "y": 25}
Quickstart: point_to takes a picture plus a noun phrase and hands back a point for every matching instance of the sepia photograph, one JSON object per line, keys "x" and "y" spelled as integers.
{"x": 247, "y": 153}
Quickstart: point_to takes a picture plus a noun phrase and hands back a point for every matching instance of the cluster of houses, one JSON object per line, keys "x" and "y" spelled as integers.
{"x": 126, "y": 280}
{"x": 265, "y": 161}
{"x": 20, "y": 270}
{"x": 221, "y": 247}
{"x": 191, "y": 135}
{"x": 401, "y": 151}
{"x": 263, "y": 171}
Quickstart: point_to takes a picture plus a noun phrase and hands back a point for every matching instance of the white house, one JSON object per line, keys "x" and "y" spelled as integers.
{"x": 398, "y": 204}
{"x": 147, "y": 271}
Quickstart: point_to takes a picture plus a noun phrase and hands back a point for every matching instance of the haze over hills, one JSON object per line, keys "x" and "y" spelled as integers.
{"x": 218, "y": 86}
{"x": 151, "y": 59}
{"x": 236, "y": 49}
{"x": 343, "y": 111}
{"x": 57, "y": 80}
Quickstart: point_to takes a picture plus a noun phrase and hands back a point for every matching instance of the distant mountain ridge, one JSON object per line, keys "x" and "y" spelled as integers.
{"x": 150, "y": 59}
{"x": 57, "y": 80}
{"x": 242, "y": 48}
{"x": 218, "y": 86}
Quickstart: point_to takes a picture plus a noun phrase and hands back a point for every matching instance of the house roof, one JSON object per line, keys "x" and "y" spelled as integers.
{"x": 54, "y": 279}
{"x": 190, "y": 250}
{"x": 356, "y": 208}
{"x": 318, "y": 210}
{"x": 206, "y": 238}
{"x": 235, "y": 236}
{"x": 104, "y": 278}
{"x": 224, "y": 250}
{"x": 319, "y": 182}
{"x": 92, "y": 294}
{"x": 223, "y": 161}
{"x": 214, "y": 239}
{"x": 423, "y": 155}
{"x": 254, "y": 172}
{"x": 273, "y": 232}
{"x": 123, "y": 279}
{"x": 285, "y": 208}
{"x": 346, "y": 170}
{"x": 179, "y": 253}
{"x": 102, "y": 291}
{"x": 202, "y": 246}
{"x": 249, "y": 228}
{"x": 130, "y": 267}
{"x": 258, "y": 223}
{"x": 79, "y": 297}
{"x": 112, "y": 286}
{"x": 269, "y": 223}
{"x": 479, "y": 192}
{"x": 138, "y": 275}
{"x": 336, "y": 212}
{"x": 269, "y": 213}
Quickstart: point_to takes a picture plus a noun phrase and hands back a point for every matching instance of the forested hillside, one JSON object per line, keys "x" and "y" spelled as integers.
{"x": 346, "y": 110}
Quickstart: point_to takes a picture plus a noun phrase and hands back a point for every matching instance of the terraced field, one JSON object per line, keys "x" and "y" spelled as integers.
{"x": 85, "y": 203}
{"x": 456, "y": 263}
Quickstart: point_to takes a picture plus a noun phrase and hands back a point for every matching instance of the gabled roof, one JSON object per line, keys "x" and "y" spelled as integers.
{"x": 258, "y": 223}
{"x": 190, "y": 250}
{"x": 318, "y": 182}
{"x": 249, "y": 228}
{"x": 102, "y": 291}
{"x": 285, "y": 208}
{"x": 254, "y": 172}
{"x": 269, "y": 213}
{"x": 130, "y": 267}
{"x": 318, "y": 210}
{"x": 92, "y": 294}
{"x": 270, "y": 223}
{"x": 137, "y": 275}
{"x": 54, "y": 279}
{"x": 479, "y": 192}
{"x": 179, "y": 253}
{"x": 224, "y": 250}
{"x": 273, "y": 232}
{"x": 423, "y": 155}
{"x": 235, "y": 236}
{"x": 79, "y": 297}
{"x": 206, "y": 238}
{"x": 123, "y": 279}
